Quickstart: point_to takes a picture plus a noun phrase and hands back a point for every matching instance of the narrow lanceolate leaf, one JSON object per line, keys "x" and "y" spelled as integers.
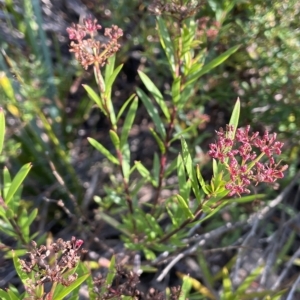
{"x": 22, "y": 275}
{"x": 186, "y": 287}
{"x": 176, "y": 89}
{"x": 67, "y": 290}
{"x": 211, "y": 65}
{"x": 93, "y": 95}
{"x": 2, "y": 128}
{"x": 227, "y": 285}
{"x": 241, "y": 290}
{"x": 103, "y": 150}
{"x": 114, "y": 138}
{"x": 126, "y": 161}
{"x": 12, "y": 295}
{"x": 26, "y": 222}
{"x": 156, "y": 169}
{"x": 6, "y": 181}
{"x": 215, "y": 167}
{"x": 129, "y": 121}
{"x": 188, "y": 35}
{"x": 188, "y": 163}
{"x": 111, "y": 271}
{"x": 126, "y": 103}
{"x": 153, "y": 113}
{"x": 201, "y": 180}
{"x": 182, "y": 203}
{"x": 234, "y": 120}
{"x": 184, "y": 185}
{"x": 142, "y": 169}
{"x": 166, "y": 43}
{"x": 7, "y": 87}
{"x": 160, "y": 143}
{"x": 17, "y": 181}
{"x": 153, "y": 223}
{"x": 156, "y": 94}
{"x": 109, "y": 82}
{"x": 109, "y": 68}
{"x": 4, "y": 295}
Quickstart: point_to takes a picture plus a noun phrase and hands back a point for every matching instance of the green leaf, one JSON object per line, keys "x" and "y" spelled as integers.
{"x": 111, "y": 271}
{"x": 4, "y": 295}
{"x": 154, "y": 227}
{"x": 176, "y": 85}
{"x": 172, "y": 217}
{"x": 184, "y": 185}
{"x": 211, "y": 65}
{"x": 160, "y": 143}
{"x": 227, "y": 285}
{"x": 142, "y": 170}
{"x": 12, "y": 295}
{"x": 22, "y": 275}
{"x": 170, "y": 169}
{"x": 2, "y": 128}
{"x": 250, "y": 198}
{"x": 111, "y": 80}
{"x": 94, "y": 96}
{"x": 188, "y": 35}
{"x": 234, "y": 120}
{"x": 109, "y": 68}
{"x": 156, "y": 169}
{"x": 113, "y": 222}
{"x": 129, "y": 121}
{"x": 205, "y": 269}
{"x": 186, "y": 287}
{"x": 182, "y": 203}
{"x": 210, "y": 212}
{"x": 126, "y": 161}
{"x": 153, "y": 113}
{"x": 103, "y": 150}
{"x": 6, "y": 181}
{"x": 124, "y": 107}
{"x": 68, "y": 289}
{"x": 84, "y": 270}
{"x": 166, "y": 43}
{"x": 136, "y": 186}
{"x": 201, "y": 180}
{"x": 156, "y": 94}
{"x": 114, "y": 138}
{"x": 249, "y": 280}
{"x": 188, "y": 163}
{"x": 150, "y": 255}
{"x": 215, "y": 167}
{"x": 17, "y": 181}
{"x": 26, "y": 222}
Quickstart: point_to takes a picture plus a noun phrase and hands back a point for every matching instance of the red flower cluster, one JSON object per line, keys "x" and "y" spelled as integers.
{"x": 241, "y": 152}
{"x": 90, "y": 51}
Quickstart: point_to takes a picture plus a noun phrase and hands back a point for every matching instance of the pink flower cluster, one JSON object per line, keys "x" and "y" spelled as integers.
{"x": 90, "y": 51}
{"x": 241, "y": 152}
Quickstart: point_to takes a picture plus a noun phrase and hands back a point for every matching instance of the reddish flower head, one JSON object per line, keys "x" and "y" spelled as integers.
{"x": 241, "y": 152}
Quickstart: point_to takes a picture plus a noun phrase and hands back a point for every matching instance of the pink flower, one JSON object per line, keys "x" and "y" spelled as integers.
{"x": 241, "y": 153}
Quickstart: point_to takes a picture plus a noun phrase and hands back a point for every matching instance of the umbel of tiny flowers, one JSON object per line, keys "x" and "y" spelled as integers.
{"x": 91, "y": 52}
{"x": 51, "y": 264}
{"x": 242, "y": 152}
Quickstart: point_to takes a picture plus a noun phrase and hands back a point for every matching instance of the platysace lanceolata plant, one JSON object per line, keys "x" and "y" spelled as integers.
{"x": 239, "y": 165}
{"x": 242, "y": 153}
